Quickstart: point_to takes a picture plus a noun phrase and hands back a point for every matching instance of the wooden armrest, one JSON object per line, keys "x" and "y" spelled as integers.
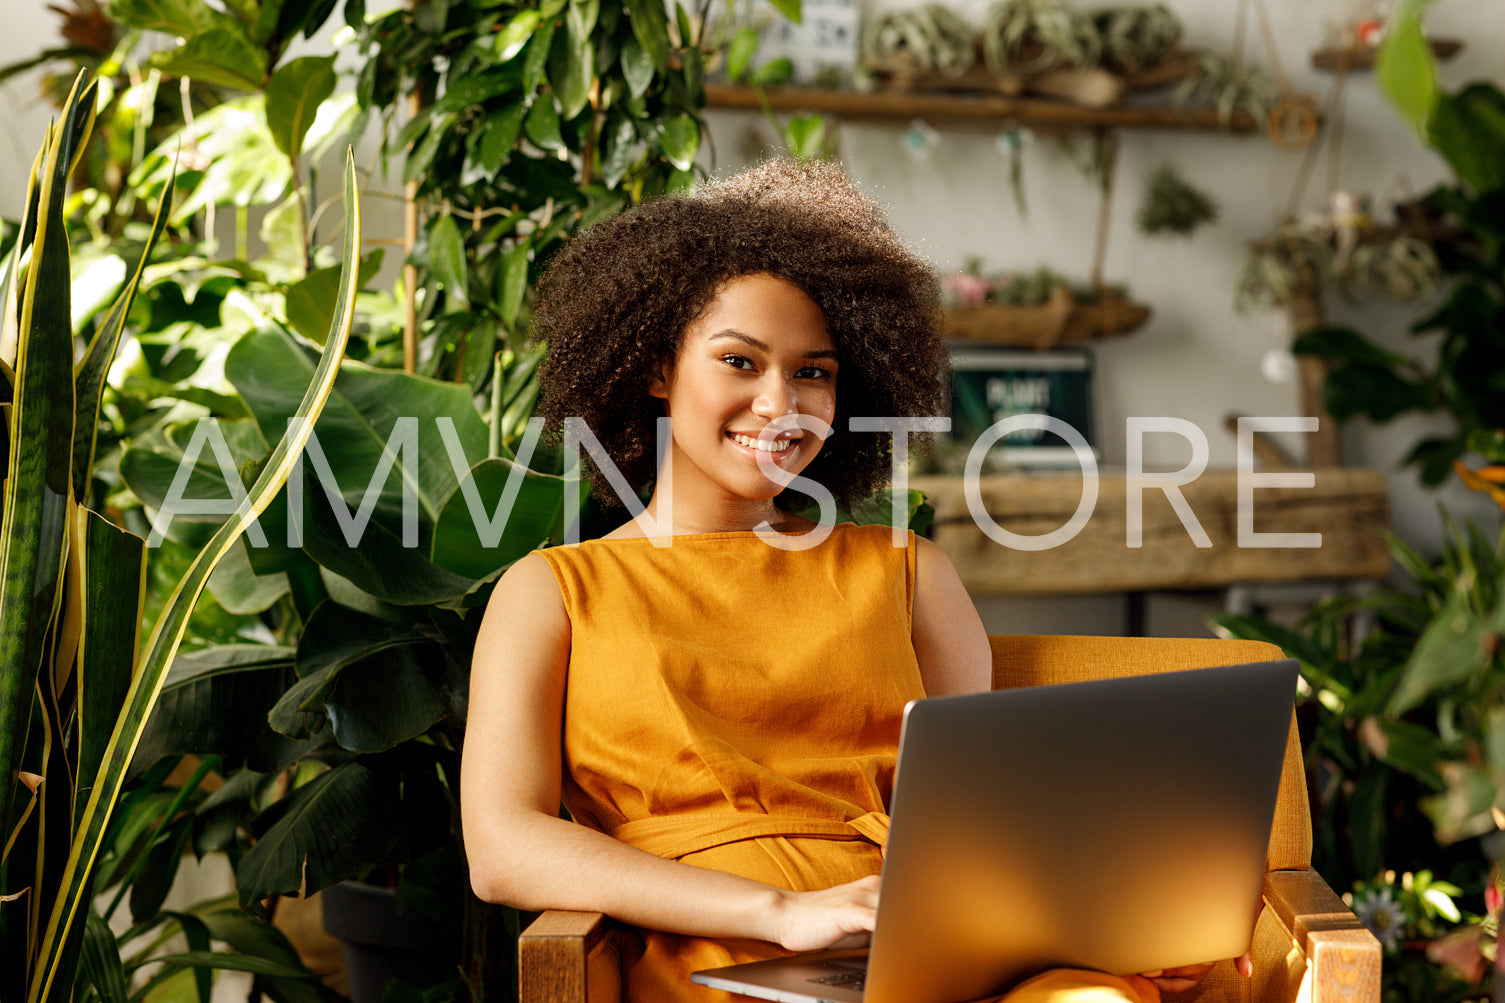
{"x": 1342, "y": 956}
{"x": 555, "y": 952}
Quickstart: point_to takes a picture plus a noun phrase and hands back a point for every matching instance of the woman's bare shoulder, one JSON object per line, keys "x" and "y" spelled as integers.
{"x": 526, "y": 605}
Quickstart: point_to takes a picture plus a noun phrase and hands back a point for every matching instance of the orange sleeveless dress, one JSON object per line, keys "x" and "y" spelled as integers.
{"x": 736, "y": 706}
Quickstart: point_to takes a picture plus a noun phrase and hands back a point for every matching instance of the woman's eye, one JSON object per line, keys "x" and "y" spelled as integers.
{"x": 814, "y": 373}
{"x": 737, "y": 361}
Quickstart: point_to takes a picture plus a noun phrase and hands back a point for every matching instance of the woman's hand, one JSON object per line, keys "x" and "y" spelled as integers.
{"x": 838, "y": 917}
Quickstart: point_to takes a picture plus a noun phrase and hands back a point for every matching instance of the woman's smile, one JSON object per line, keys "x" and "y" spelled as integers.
{"x": 766, "y": 445}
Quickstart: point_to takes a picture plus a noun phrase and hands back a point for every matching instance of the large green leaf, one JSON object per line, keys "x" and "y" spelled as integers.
{"x": 182, "y": 18}
{"x": 1456, "y": 646}
{"x": 1346, "y": 344}
{"x": 263, "y": 940}
{"x": 293, "y": 97}
{"x": 222, "y": 56}
{"x": 328, "y": 830}
{"x": 508, "y": 42}
{"x": 216, "y": 701}
{"x": 1468, "y": 129}
{"x": 681, "y": 140}
{"x": 572, "y": 65}
{"x": 381, "y": 701}
{"x": 1404, "y": 65}
{"x": 202, "y": 493}
{"x": 34, "y": 525}
{"x": 542, "y": 124}
{"x": 500, "y": 512}
{"x": 334, "y": 639}
{"x": 1373, "y": 390}
{"x": 499, "y": 135}
{"x": 650, "y": 25}
{"x": 150, "y": 473}
{"x": 242, "y": 164}
{"x": 68, "y": 909}
{"x": 310, "y": 300}
{"x": 792, "y": 9}
{"x": 513, "y": 280}
{"x": 382, "y": 564}
{"x": 267, "y": 368}
{"x": 240, "y": 589}
{"x": 446, "y": 251}
{"x": 335, "y": 636}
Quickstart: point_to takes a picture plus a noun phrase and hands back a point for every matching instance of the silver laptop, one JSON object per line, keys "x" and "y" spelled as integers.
{"x": 1118, "y": 825}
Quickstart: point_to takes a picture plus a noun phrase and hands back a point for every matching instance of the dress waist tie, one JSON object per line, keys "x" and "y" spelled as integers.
{"x": 677, "y": 836}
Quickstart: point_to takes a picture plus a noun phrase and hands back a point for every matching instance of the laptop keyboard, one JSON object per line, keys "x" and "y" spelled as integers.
{"x": 849, "y": 975}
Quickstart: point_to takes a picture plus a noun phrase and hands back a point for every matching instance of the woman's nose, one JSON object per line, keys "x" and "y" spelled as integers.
{"x": 775, "y": 399}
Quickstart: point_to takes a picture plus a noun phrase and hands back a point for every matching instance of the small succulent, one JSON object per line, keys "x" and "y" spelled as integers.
{"x": 1032, "y": 36}
{"x": 932, "y": 37}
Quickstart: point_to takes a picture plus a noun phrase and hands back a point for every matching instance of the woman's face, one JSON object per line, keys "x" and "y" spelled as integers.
{"x": 755, "y": 358}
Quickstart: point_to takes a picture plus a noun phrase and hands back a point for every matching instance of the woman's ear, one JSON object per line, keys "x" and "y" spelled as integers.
{"x": 658, "y": 385}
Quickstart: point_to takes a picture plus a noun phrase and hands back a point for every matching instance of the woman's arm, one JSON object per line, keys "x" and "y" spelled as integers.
{"x": 949, "y": 640}
{"x": 522, "y": 854}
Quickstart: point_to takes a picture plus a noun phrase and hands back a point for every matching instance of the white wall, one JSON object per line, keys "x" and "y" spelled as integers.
{"x": 1197, "y": 358}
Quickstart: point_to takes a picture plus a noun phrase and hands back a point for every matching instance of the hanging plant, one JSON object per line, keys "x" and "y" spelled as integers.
{"x": 1228, "y": 85}
{"x": 1172, "y": 207}
{"x": 1305, "y": 254}
{"x": 932, "y": 38}
{"x": 1134, "y": 39}
{"x": 1033, "y": 36}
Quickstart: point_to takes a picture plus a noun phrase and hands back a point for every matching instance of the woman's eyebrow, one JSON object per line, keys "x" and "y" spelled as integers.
{"x": 747, "y": 339}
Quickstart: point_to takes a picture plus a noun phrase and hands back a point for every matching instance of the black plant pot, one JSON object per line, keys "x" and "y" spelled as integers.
{"x": 380, "y": 945}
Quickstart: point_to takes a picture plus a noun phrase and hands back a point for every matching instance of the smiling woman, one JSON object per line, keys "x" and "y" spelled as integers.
{"x": 692, "y": 694}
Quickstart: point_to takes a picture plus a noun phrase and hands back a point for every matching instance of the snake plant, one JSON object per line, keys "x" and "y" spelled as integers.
{"x": 76, "y": 683}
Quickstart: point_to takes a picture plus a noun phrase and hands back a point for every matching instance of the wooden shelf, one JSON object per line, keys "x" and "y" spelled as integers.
{"x": 978, "y": 110}
{"x": 1335, "y": 59}
{"x": 1348, "y": 506}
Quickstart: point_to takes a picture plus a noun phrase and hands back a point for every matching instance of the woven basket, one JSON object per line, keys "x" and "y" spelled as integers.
{"x": 1059, "y": 321}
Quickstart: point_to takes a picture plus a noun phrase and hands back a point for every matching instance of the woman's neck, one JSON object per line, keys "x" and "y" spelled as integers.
{"x": 671, "y": 514}
{"x": 676, "y": 514}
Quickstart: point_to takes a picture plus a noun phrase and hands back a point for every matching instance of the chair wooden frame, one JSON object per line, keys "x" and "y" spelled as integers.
{"x": 1309, "y": 945}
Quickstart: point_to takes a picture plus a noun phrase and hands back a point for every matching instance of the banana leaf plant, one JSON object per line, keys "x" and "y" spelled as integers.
{"x": 340, "y": 744}
{"x": 77, "y": 685}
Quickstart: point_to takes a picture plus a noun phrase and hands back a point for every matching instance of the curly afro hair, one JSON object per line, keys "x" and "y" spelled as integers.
{"x": 615, "y": 302}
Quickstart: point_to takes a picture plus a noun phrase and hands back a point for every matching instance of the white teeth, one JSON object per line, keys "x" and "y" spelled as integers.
{"x": 773, "y": 446}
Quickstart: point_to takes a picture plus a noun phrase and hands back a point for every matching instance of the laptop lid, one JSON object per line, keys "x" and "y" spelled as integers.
{"x": 1116, "y": 824}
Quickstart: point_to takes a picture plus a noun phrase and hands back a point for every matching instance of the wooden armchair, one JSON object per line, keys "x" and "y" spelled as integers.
{"x": 1308, "y": 945}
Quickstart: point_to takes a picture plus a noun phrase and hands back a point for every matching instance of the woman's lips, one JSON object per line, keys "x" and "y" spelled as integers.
{"x": 777, "y": 450}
